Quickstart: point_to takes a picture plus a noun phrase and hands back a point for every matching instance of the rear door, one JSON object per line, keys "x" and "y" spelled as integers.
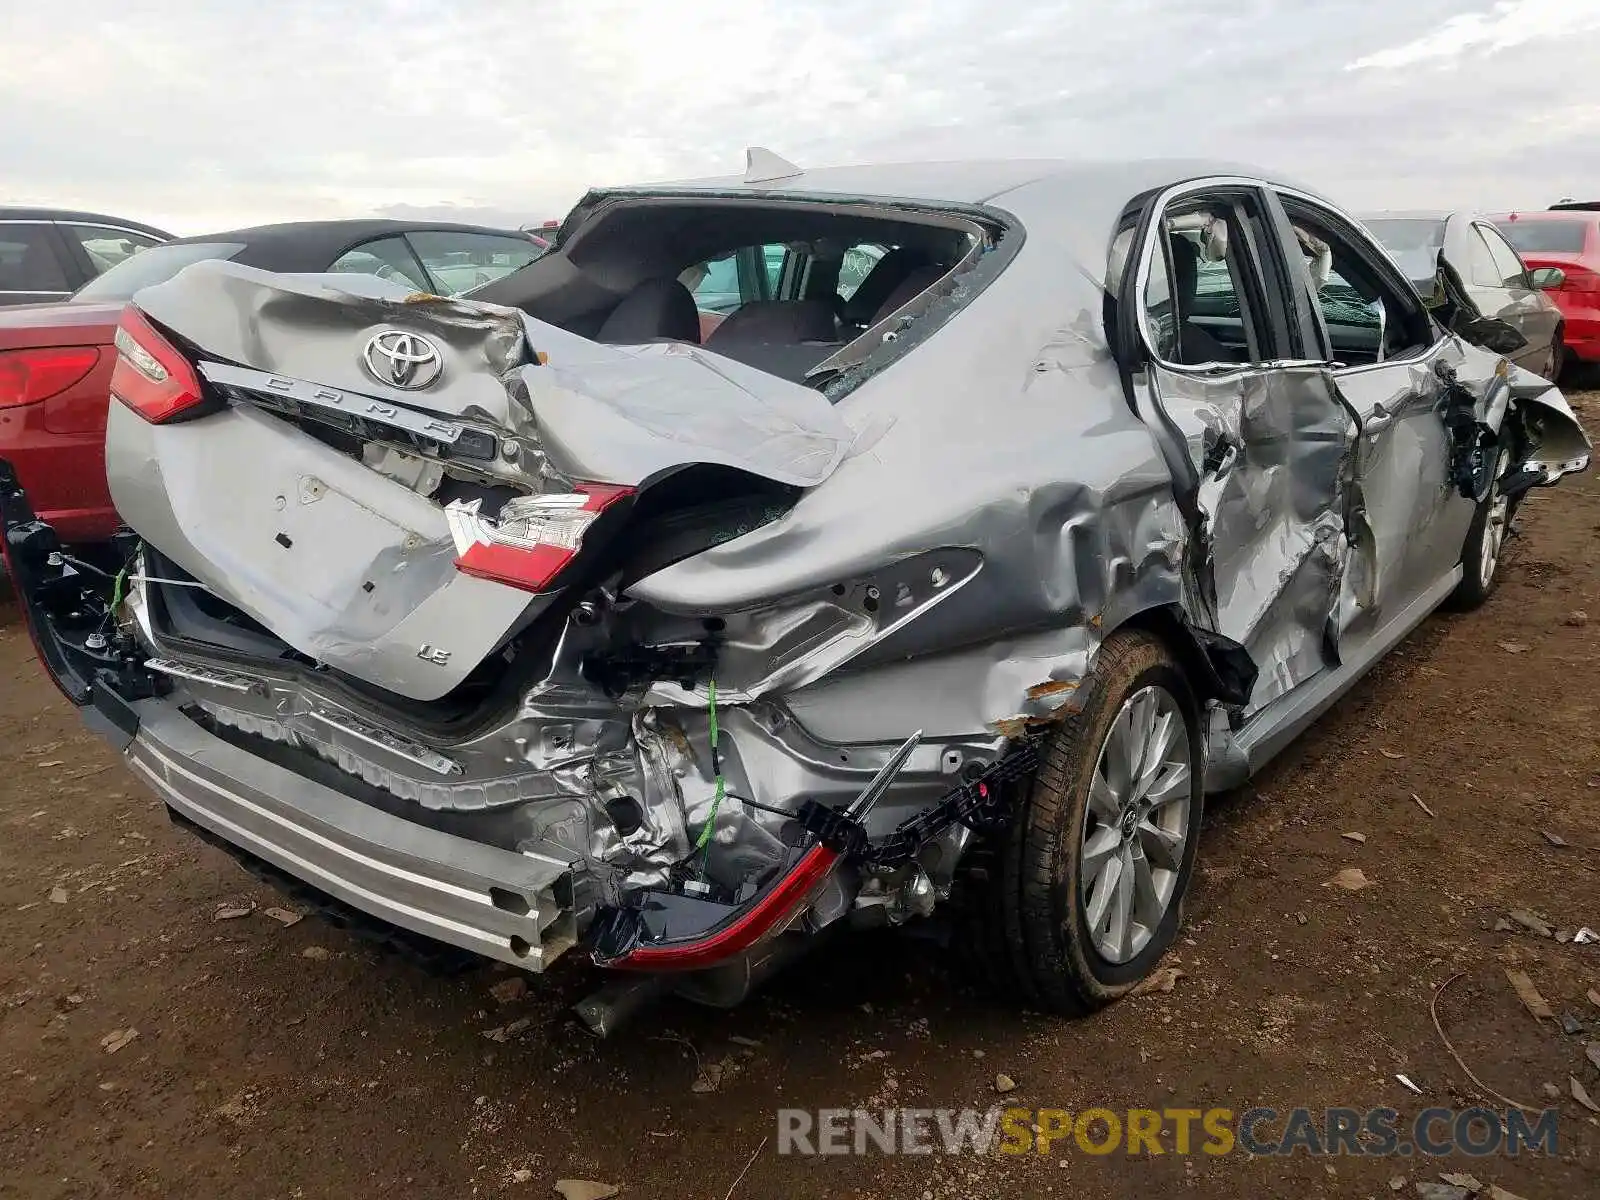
{"x": 36, "y": 265}
{"x": 1525, "y": 308}
{"x": 1256, "y": 439}
{"x": 1382, "y": 355}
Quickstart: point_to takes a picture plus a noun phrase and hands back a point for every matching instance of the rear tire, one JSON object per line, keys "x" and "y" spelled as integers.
{"x": 1485, "y": 545}
{"x": 1078, "y": 899}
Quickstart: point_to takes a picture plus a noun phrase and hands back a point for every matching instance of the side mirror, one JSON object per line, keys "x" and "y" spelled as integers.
{"x": 1546, "y": 278}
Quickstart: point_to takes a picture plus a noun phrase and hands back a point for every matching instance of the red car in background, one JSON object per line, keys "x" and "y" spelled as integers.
{"x": 1566, "y": 237}
{"x": 56, "y": 359}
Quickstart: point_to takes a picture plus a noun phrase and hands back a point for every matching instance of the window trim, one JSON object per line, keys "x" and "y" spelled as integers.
{"x": 144, "y": 233}
{"x": 1223, "y": 187}
{"x": 751, "y": 264}
{"x": 434, "y": 282}
{"x": 1485, "y": 231}
{"x": 428, "y": 280}
{"x": 1473, "y": 230}
{"x": 422, "y": 265}
{"x": 80, "y": 253}
{"x": 1379, "y": 262}
{"x": 66, "y": 258}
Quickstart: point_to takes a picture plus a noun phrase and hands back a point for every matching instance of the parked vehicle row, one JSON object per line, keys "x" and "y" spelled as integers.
{"x": 1010, "y": 510}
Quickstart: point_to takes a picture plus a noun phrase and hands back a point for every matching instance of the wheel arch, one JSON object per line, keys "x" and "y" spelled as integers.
{"x": 1217, "y": 667}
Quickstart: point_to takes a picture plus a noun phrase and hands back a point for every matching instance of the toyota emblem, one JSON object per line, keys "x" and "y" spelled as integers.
{"x": 403, "y": 360}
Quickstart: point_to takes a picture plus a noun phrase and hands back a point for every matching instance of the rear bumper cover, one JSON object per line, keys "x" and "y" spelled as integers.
{"x": 513, "y": 907}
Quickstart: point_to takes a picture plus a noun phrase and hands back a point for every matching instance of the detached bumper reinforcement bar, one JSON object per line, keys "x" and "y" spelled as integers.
{"x": 516, "y": 908}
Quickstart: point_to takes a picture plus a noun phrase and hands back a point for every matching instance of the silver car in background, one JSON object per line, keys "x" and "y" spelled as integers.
{"x": 1477, "y": 284}
{"x": 535, "y": 623}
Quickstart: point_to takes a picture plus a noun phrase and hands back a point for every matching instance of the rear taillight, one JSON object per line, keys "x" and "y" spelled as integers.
{"x": 534, "y": 538}
{"x": 151, "y": 377}
{"x": 29, "y": 376}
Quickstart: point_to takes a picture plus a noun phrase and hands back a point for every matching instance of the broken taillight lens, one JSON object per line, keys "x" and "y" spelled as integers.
{"x": 29, "y": 376}
{"x": 534, "y": 538}
{"x": 151, "y": 377}
{"x": 758, "y": 921}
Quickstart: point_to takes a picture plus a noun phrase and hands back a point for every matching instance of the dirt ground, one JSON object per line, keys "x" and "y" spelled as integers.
{"x": 275, "y": 1061}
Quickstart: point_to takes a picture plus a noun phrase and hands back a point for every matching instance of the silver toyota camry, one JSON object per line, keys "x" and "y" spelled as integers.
{"x": 1013, "y": 508}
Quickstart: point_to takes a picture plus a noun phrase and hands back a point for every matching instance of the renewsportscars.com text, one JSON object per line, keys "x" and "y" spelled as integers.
{"x": 1374, "y": 1132}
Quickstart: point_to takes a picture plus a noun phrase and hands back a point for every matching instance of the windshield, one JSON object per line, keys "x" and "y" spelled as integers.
{"x": 1413, "y": 242}
{"x": 1554, "y": 237}
{"x": 155, "y": 265}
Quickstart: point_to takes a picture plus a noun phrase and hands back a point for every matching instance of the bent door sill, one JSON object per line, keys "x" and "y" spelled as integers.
{"x": 1275, "y": 726}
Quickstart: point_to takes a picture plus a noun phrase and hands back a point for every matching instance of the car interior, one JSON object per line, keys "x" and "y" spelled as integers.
{"x": 621, "y": 279}
{"x": 1199, "y": 315}
{"x": 1367, "y": 319}
{"x": 1199, "y": 303}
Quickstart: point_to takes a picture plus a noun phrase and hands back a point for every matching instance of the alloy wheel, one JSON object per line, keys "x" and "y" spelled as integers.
{"x": 1494, "y": 530}
{"x": 1136, "y": 824}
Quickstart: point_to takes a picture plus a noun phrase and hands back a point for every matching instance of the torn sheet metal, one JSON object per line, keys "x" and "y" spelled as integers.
{"x": 642, "y": 410}
{"x": 315, "y": 327}
{"x": 348, "y": 567}
{"x": 954, "y": 570}
{"x": 609, "y": 414}
{"x": 356, "y": 568}
{"x": 1558, "y": 444}
{"x": 1064, "y": 500}
{"x": 1267, "y": 456}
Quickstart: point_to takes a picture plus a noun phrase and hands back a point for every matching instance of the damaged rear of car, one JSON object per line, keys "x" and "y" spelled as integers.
{"x": 532, "y": 622}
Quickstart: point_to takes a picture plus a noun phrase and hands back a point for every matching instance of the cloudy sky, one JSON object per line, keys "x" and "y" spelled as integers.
{"x": 200, "y": 114}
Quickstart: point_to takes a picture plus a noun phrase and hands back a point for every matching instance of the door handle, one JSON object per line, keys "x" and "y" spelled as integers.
{"x": 1379, "y": 420}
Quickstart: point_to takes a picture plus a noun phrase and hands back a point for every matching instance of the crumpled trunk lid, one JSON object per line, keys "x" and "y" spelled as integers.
{"x": 284, "y": 502}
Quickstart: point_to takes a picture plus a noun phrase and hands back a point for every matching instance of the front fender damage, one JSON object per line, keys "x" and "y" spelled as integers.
{"x": 1508, "y": 407}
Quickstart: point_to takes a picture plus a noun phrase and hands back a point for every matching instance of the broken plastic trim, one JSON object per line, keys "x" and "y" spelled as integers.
{"x": 682, "y": 663}
{"x": 68, "y": 620}
{"x": 362, "y": 416}
{"x": 25, "y": 541}
{"x": 649, "y": 935}
{"x": 982, "y": 805}
{"x": 669, "y": 932}
{"x": 534, "y": 539}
